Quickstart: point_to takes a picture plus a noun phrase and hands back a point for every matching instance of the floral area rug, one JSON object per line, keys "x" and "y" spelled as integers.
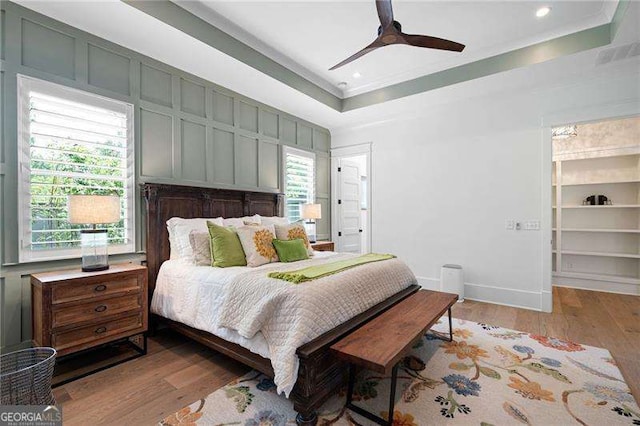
{"x": 487, "y": 376}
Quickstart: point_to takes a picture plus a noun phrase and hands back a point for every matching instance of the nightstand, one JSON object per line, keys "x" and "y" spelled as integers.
{"x": 75, "y": 311}
{"x": 323, "y": 246}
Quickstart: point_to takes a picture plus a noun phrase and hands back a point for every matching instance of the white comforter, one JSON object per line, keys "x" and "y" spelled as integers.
{"x": 273, "y": 317}
{"x": 290, "y": 315}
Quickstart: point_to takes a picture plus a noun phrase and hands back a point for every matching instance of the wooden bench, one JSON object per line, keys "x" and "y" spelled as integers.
{"x": 383, "y": 342}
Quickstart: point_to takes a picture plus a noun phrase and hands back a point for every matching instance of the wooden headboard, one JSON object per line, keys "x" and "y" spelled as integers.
{"x": 166, "y": 201}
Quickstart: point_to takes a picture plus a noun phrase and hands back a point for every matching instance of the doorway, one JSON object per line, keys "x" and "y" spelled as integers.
{"x": 596, "y": 205}
{"x": 553, "y": 262}
{"x": 351, "y": 198}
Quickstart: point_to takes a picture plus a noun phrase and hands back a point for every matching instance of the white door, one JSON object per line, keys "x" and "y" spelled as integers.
{"x": 349, "y": 226}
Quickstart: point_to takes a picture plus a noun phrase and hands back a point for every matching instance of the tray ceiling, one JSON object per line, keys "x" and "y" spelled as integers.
{"x": 160, "y": 33}
{"x": 311, "y": 36}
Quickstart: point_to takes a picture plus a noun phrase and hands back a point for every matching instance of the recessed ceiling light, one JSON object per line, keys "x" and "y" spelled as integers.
{"x": 342, "y": 84}
{"x": 357, "y": 75}
{"x": 543, "y": 11}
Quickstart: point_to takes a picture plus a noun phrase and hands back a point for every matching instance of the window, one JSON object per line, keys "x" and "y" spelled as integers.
{"x": 71, "y": 142}
{"x": 299, "y": 188}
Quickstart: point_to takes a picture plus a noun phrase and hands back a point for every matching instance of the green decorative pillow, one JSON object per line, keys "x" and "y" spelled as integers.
{"x": 226, "y": 248}
{"x": 291, "y": 250}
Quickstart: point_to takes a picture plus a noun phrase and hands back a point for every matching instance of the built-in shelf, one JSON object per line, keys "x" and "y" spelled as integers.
{"x": 601, "y": 183}
{"x": 601, "y": 254}
{"x": 613, "y": 206}
{"x": 600, "y": 251}
{"x": 597, "y": 154}
{"x": 623, "y": 231}
{"x": 598, "y": 277}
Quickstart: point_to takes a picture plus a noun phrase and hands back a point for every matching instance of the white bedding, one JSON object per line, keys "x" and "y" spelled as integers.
{"x": 274, "y": 317}
{"x": 182, "y": 286}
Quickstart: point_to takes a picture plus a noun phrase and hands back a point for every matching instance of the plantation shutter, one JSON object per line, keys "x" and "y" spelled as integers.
{"x": 72, "y": 146}
{"x": 299, "y": 181}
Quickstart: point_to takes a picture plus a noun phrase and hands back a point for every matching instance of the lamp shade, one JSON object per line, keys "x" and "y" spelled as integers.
{"x": 311, "y": 211}
{"x": 92, "y": 209}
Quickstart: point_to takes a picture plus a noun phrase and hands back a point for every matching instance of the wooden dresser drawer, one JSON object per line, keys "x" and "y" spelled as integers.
{"x": 98, "y": 331}
{"x": 76, "y": 290}
{"x": 95, "y": 310}
{"x": 75, "y": 310}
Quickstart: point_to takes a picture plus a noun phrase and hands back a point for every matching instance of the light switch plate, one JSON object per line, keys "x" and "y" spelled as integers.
{"x": 532, "y": 225}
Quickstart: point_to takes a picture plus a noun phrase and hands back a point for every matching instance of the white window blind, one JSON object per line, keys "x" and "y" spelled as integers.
{"x": 299, "y": 168}
{"x": 72, "y": 143}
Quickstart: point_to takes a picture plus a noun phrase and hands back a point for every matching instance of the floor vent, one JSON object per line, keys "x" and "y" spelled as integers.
{"x": 618, "y": 53}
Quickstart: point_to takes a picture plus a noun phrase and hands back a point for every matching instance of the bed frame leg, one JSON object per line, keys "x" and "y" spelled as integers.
{"x": 310, "y": 419}
{"x": 152, "y": 325}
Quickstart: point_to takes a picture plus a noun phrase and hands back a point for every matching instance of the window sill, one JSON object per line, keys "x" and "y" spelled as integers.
{"x": 73, "y": 261}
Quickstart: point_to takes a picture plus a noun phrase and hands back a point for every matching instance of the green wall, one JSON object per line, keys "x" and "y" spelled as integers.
{"x": 188, "y": 131}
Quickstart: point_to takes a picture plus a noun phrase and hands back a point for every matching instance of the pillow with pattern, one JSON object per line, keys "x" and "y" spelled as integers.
{"x": 201, "y": 246}
{"x": 293, "y": 231}
{"x": 257, "y": 244}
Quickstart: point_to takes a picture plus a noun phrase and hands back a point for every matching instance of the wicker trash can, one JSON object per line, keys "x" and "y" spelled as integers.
{"x": 25, "y": 377}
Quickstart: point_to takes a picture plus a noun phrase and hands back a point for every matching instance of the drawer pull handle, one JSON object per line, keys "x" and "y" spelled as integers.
{"x": 100, "y": 287}
{"x": 101, "y": 330}
{"x": 100, "y": 308}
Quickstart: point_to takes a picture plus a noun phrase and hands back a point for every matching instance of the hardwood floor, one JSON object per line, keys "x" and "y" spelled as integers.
{"x": 177, "y": 372}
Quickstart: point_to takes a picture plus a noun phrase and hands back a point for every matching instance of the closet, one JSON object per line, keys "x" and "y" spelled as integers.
{"x": 596, "y": 205}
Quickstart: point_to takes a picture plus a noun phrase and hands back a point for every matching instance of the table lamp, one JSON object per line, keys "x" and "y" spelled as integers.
{"x": 92, "y": 210}
{"x": 311, "y": 212}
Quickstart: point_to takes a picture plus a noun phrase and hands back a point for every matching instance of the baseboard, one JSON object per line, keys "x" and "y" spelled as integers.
{"x": 546, "y": 302}
{"x": 498, "y": 295}
{"x": 429, "y": 283}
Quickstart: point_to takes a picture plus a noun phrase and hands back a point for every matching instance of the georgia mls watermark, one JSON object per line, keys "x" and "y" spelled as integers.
{"x": 30, "y": 415}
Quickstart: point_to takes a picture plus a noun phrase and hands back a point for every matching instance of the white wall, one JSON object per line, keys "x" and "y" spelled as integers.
{"x": 445, "y": 181}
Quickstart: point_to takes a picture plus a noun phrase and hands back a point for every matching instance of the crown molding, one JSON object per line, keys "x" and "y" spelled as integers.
{"x": 179, "y": 18}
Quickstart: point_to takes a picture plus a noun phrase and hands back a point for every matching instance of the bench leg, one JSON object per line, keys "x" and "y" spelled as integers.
{"x": 442, "y": 336}
{"x": 364, "y": 413}
{"x": 392, "y": 398}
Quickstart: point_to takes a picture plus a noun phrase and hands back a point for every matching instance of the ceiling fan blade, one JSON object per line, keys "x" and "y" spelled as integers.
{"x": 385, "y": 12}
{"x": 433, "y": 42}
{"x": 373, "y": 46}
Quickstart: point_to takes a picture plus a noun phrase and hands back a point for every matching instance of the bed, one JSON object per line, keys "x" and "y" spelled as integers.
{"x": 319, "y": 374}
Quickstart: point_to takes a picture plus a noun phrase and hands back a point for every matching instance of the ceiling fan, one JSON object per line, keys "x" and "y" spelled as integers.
{"x": 390, "y": 32}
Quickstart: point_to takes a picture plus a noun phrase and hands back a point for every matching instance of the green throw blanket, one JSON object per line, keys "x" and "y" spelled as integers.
{"x": 319, "y": 271}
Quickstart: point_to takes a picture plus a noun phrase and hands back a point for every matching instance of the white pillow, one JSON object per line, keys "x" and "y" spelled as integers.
{"x": 237, "y": 222}
{"x": 179, "y": 230}
{"x": 234, "y": 222}
{"x": 257, "y": 243}
{"x": 274, "y": 220}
